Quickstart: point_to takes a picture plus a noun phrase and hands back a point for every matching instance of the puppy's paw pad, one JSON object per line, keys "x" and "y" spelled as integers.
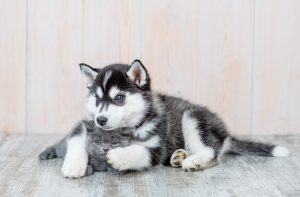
{"x": 177, "y": 157}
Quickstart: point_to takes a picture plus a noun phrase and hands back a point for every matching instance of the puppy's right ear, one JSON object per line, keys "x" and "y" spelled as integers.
{"x": 89, "y": 73}
{"x": 138, "y": 74}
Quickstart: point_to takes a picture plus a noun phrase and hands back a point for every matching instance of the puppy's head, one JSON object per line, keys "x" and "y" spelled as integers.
{"x": 117, "y": 94}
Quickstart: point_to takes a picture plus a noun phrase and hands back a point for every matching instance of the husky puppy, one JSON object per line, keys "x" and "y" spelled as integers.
{"x": 120, "y": 96}
{"x": 98, "y": 142}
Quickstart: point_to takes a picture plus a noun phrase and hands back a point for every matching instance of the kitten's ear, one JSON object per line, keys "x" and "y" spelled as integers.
{"x": 87, "y": 125}
{"x": 89, "y": 73}
{"x": 139, "y": 75}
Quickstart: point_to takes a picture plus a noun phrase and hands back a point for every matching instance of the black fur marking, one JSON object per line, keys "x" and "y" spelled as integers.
{"x": 251, "y": 148}
{"x": 94, "y": 69}
{"x": 155, "y": 155}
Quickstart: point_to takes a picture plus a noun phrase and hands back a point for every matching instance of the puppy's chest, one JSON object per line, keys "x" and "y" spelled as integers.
{"x": 144, "y": 132}
{"x": 147, "y": 136}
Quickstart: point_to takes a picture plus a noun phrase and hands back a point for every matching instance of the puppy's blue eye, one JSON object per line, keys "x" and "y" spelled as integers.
{"x": 120, "y": 97}
{"x": 97, "y": 141}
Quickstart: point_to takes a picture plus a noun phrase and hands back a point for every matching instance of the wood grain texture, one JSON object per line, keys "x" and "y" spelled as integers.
{"x": 23, "y": 175}
{"x": 276, "y": 67}
{"x": 240, "y": 58}
{"x": 12, "y": 69}
{"x": 55, "y": 88}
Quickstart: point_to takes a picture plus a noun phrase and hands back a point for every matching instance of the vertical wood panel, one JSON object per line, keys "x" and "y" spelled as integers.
{"x": 111, "y": 31}
{"x": 101, "y": 33}
{"x": 12, "y": 69}
{"x": 199, "y": 50}
{"x": 276, "y": 69}
{"x": 202, "y": 51}
{"x": 55, "y": 88}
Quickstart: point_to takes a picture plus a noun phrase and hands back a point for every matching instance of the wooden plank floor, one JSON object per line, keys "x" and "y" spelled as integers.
{"x": 23, "y": 175}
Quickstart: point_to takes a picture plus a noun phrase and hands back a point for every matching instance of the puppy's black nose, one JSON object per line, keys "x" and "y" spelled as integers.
{"x": 105, "y": 149}
{"x": 101, "y": 120}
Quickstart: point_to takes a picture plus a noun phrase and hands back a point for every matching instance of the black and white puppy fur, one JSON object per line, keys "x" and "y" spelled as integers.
{"x": 120, "y": 96}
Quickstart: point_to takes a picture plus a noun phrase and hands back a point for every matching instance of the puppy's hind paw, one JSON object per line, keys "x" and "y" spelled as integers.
{"x": 177, "y": 157}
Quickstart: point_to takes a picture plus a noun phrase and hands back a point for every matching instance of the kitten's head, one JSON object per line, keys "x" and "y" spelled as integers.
{"x": 100, "y": 141}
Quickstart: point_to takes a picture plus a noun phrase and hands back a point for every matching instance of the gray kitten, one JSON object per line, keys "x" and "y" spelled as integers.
{"x": 98, "y": 142}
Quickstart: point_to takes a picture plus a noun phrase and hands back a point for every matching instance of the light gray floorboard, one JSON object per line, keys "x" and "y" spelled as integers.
{"x": 2, "y": 137}
{"x": 23, "y": 175}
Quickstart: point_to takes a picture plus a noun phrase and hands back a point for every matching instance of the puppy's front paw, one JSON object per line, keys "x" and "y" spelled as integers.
{"x": 177, "y": 157}
{"x": 73, "y": 170}
{"x": 118, "y": 159}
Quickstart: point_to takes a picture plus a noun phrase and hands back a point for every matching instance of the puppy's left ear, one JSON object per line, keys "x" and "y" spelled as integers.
{"x": 89, "y": 73}
{"x": 139, "y": 75}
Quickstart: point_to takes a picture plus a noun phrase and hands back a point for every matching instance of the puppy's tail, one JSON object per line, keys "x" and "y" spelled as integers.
{"x": 254, "y": 148}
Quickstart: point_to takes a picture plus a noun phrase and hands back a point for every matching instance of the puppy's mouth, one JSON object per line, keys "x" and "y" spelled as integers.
{"x": 109, "y": 128}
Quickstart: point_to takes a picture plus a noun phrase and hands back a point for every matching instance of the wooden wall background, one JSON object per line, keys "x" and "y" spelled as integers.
{"x": 240, "y": 58}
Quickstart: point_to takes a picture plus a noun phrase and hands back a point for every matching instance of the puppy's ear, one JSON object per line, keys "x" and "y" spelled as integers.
{"x": 139, "y": 75}
{"x": 89, "y": 73}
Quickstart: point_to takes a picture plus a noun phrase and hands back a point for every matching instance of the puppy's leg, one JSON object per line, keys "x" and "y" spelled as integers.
{"x": 133, "y": 157}
{"x": 76, "y": 158}
{"x": 202, "y": 156}
{"x": 137, "y": 156}
{"x": 199, "y": 161}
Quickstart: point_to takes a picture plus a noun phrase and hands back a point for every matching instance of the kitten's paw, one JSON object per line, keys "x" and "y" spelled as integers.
{"x": 118, "y": 159}
{"x": 73, "y": 169}
{"x": 89, "y": 170}
{"x": 49, "y": 153}
{"x": 177, "y": 157}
